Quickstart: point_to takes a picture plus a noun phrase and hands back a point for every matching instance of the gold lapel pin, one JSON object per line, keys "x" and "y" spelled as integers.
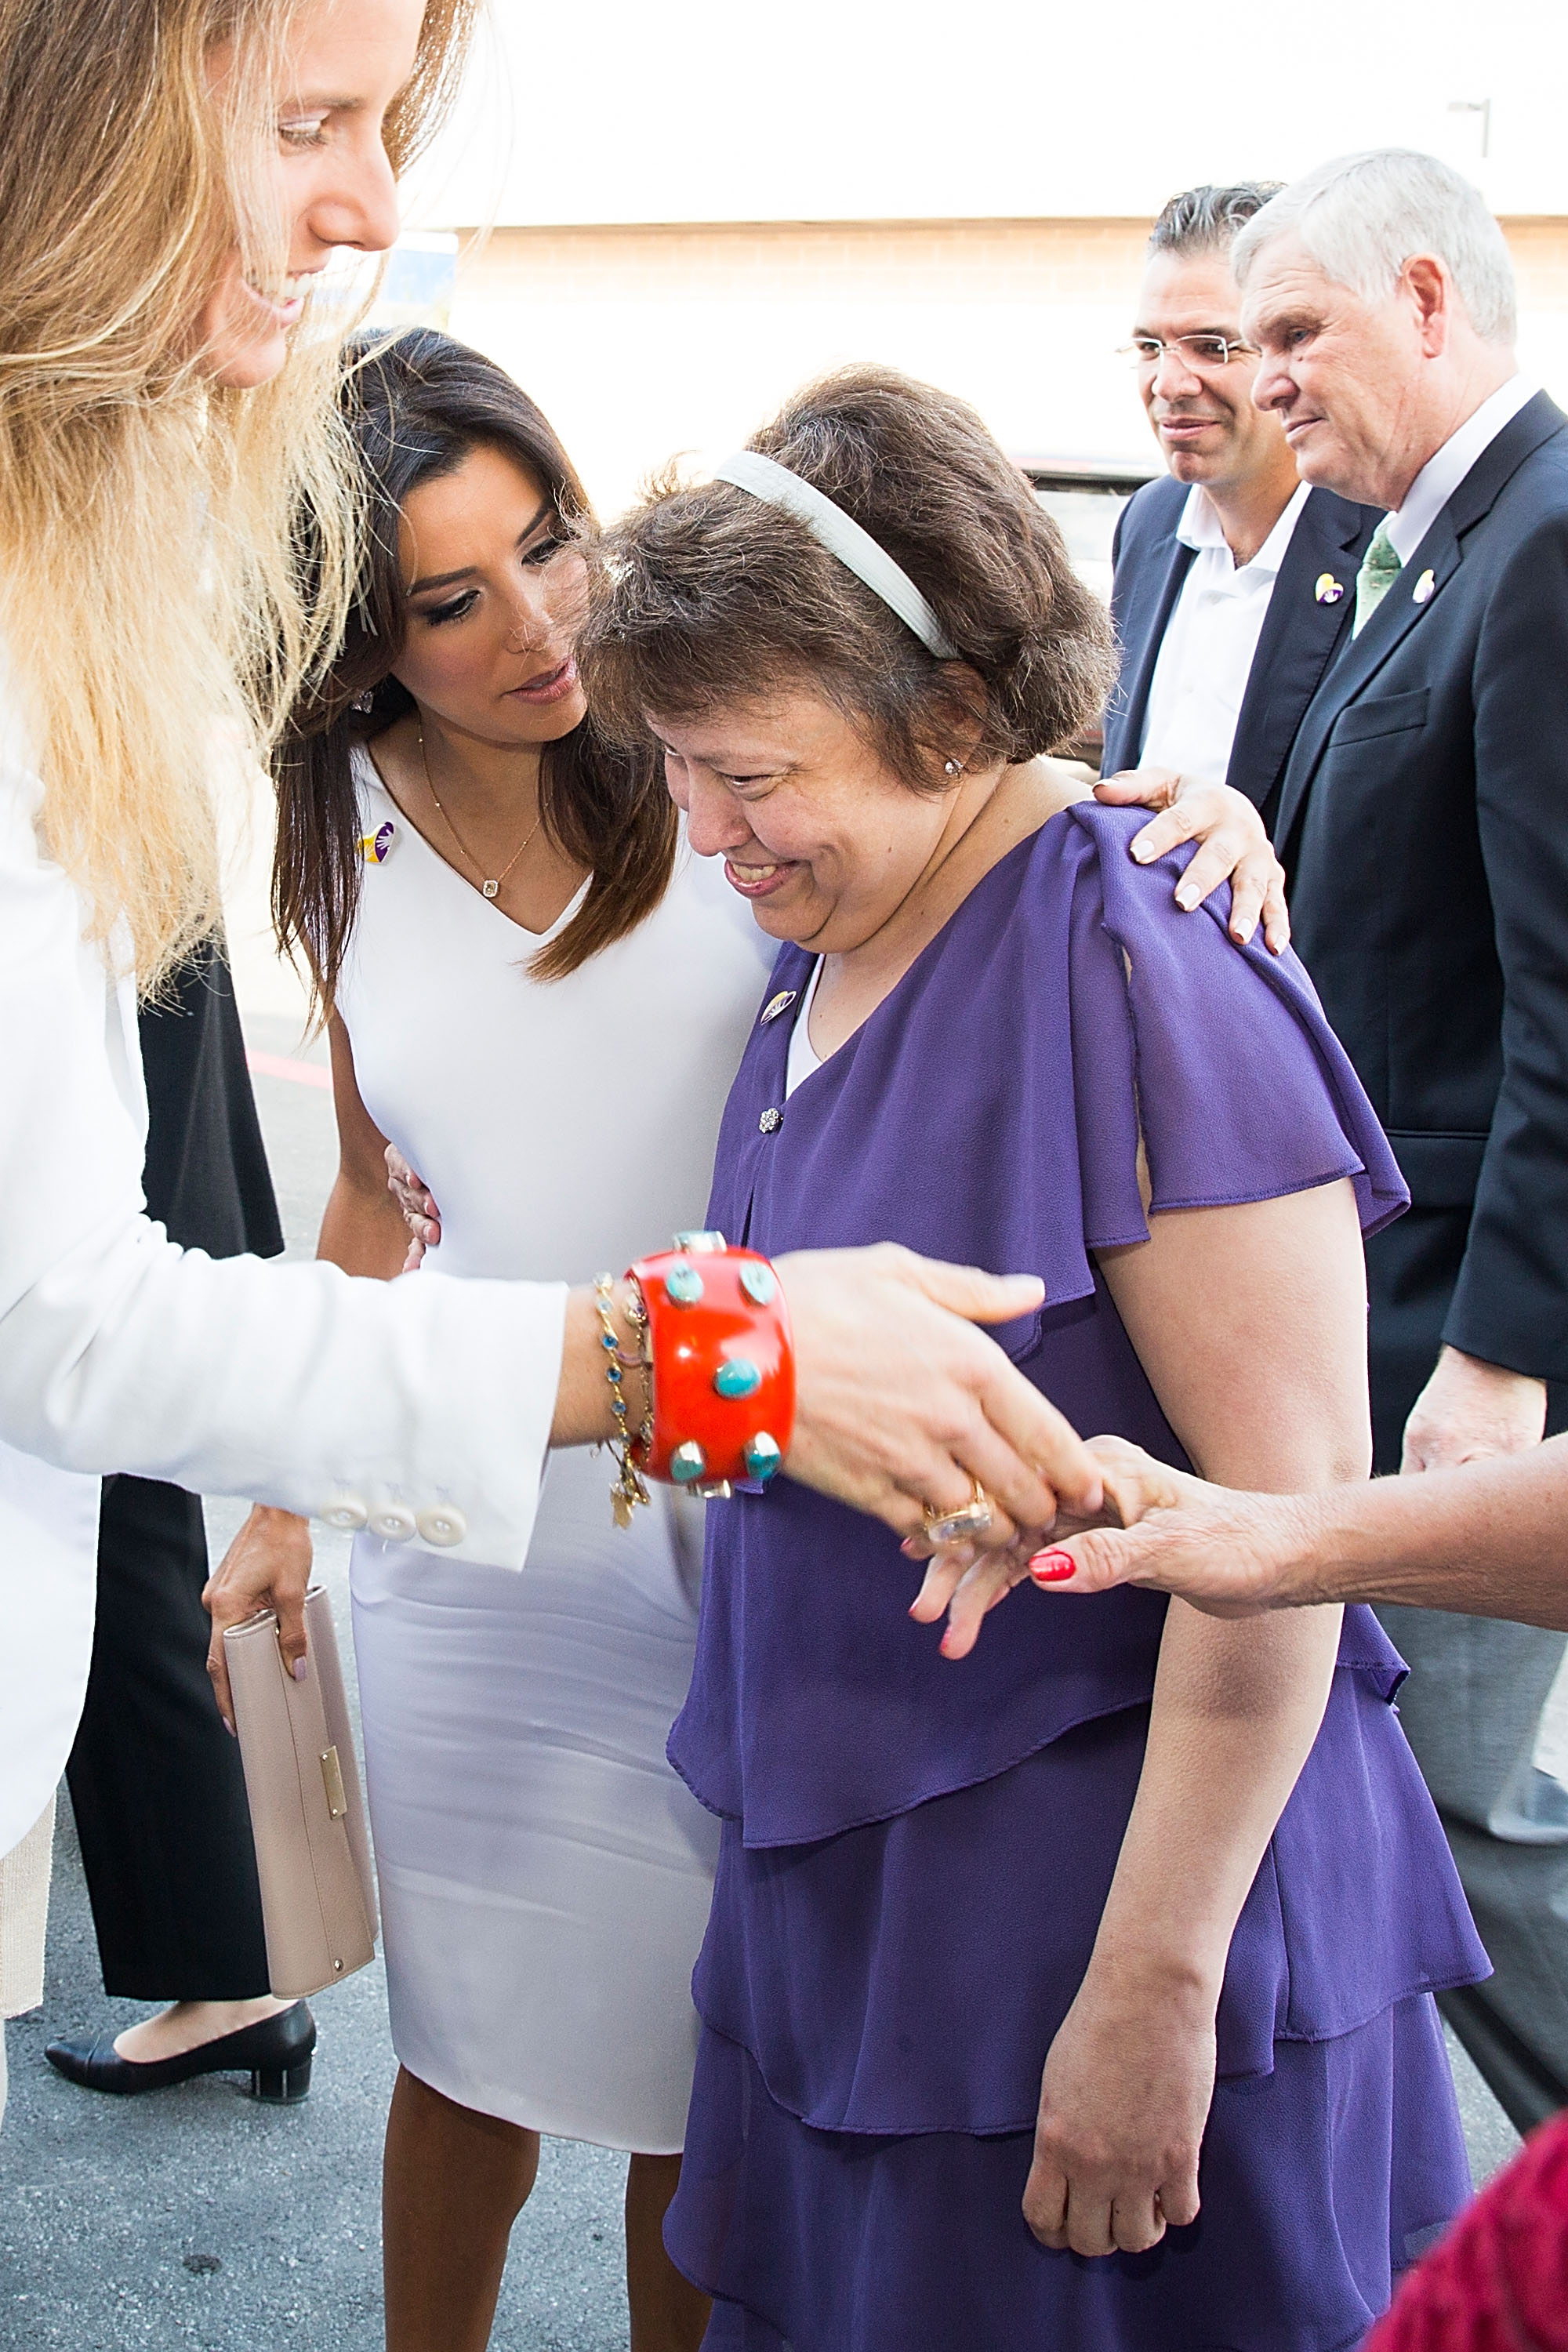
{"x": 1423, "y": 589}
{"x": 1329, "y": 590}
{"x": 374, "y": 846}
{"x": 776, "y": 1005}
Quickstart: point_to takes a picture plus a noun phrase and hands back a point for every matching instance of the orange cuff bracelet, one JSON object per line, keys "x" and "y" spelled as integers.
{"x": 723, "y": 1366}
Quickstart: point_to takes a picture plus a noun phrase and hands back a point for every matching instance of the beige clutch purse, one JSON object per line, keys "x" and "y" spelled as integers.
{"x": 306, "y": 1816}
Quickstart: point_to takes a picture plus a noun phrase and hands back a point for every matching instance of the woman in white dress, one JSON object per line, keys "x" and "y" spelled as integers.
{"x": 535, "y": 990}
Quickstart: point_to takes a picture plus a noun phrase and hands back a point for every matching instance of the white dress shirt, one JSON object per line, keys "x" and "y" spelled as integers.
{"x": 1441, "y": 475}
{"x": 422, "y": 1404}
{"x": 1206, "y": 656}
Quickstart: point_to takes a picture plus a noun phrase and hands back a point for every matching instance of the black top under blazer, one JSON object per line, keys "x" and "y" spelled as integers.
{"x": 205, "y": 1179}
{"x": 1424, "y": 816}
{"x": 1298, "y": 638}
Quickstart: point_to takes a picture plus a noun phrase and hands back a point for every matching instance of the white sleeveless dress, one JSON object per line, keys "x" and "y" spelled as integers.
{"x": 544, "y": 1875}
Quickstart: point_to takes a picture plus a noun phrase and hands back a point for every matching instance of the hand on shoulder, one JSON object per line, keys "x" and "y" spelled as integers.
{"x": 1232, "y": 847}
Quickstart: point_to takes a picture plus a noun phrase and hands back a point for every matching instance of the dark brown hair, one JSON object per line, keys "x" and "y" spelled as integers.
{"x": 705, "y": 595}
{"x": 418, "y": 407}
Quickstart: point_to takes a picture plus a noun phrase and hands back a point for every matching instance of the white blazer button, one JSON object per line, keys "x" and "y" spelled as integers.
{"x": 443, "y": 1525}
{"x": 348, "y": 1512}
{"x": 395, "y": 1521}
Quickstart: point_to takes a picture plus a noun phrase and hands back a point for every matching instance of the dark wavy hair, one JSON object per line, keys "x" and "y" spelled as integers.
{"x": 417, "y": 405}
{"x": 704, "y": 595}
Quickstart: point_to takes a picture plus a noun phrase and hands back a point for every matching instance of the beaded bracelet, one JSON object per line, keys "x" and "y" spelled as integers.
{"x": 628, "y": 1489}
{"x": 722, "y": 1409}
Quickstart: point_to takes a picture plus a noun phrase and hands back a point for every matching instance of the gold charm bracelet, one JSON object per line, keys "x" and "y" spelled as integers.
{"x": 628, "y": 1489}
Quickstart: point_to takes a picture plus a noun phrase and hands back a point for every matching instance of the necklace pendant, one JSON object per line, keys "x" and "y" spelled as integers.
{"x": 492, "y": 889}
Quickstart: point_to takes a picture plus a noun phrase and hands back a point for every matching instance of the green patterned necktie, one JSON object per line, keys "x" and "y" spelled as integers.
{"x": 1380, "y": 568}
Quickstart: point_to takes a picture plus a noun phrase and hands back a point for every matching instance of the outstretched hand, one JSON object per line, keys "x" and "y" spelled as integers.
{"x": 1230, "y": 1554}
{"x": 965, "y": 1582}
{"x": 1232, "y": 845}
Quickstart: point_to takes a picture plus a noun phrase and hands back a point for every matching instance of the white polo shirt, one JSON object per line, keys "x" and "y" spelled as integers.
{"x": 1205, "y": 657}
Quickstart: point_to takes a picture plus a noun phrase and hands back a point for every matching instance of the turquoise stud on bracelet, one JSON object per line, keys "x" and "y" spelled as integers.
{"x": 763, "y": 1456}
{"x": 759, "y": 1282}
{"x": 686, "y": 1463}
{"x": 738, "y": 1378}
{"x": 705, "y": 1241}
{"x": 684, "y": 1284}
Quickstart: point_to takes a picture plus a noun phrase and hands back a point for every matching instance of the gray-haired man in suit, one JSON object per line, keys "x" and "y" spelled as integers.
{"x": 1424, "y": 818}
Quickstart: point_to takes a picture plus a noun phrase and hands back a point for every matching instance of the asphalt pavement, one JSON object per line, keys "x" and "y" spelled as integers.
{"x": 194, "y": 2218}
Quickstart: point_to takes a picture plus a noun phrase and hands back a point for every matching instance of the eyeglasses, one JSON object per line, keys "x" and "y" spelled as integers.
{"x": 1201, "y": 351}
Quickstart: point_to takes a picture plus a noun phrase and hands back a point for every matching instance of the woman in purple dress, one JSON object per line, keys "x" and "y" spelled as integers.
{"x": 1186, "y": 1867}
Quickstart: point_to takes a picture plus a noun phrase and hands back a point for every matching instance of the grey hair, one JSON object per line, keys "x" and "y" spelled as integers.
{"x": 1207, "y": 219}
{"x": 1361, "y": 217}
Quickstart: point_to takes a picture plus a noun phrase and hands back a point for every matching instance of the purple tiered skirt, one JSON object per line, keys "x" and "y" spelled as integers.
{"x": 917, "y": 2244}
{"x": 876, "y": 2008}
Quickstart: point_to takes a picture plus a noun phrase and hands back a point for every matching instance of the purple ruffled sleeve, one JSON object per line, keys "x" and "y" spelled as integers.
{"x": 1220, "y": 1054}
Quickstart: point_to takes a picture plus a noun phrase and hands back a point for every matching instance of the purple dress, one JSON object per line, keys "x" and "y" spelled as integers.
{"x": 915, "y": 1855}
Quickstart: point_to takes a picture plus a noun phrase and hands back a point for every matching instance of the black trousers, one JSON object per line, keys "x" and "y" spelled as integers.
{"x": 1472, "y": 1709}
{"x": 155, "y": 1779}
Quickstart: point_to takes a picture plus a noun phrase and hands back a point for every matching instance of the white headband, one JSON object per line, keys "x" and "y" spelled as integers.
{"x": 843, "y": 537}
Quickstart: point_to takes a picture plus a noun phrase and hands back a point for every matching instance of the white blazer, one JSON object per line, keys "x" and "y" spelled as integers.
{"x": 422, "y": 1407}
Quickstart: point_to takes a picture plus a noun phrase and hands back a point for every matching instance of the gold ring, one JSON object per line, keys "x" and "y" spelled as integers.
{"x": 957, "y": 1527}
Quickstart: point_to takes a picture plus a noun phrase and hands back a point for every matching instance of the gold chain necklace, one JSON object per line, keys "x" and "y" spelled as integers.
{"x": 490, "y": 884}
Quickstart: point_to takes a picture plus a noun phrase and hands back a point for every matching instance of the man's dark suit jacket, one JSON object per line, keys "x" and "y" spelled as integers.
{"x": 1298, "y": 638}
{"x": 1424, "y": 818}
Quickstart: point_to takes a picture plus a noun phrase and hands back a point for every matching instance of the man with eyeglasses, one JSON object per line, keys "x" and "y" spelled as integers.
{"x": 1234, "y": 580}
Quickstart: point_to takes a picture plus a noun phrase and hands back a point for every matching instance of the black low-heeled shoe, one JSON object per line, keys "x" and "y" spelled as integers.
{"x": 275, "y": 2055}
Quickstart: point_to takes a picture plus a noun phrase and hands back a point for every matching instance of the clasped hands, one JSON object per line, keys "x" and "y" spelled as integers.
{"x": 964, "y": 1581}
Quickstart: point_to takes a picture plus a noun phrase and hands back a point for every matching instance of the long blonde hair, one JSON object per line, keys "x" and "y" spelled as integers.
{"x": 151, "y": 609}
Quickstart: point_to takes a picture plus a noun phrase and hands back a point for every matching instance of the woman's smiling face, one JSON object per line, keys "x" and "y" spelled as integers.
{"x": 328, "y": 176}
{"x": 814, "y": 828}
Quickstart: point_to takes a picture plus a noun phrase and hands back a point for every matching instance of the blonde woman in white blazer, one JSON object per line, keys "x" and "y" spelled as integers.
{"x": 157, "y": 433}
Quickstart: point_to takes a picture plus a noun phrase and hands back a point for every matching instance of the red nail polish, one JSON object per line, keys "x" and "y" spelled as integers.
{"x": 1052, "y": 1567}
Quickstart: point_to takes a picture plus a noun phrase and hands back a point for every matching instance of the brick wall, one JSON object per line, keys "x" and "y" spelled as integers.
{"x": 1059, "y": 261}
{"x": 640, "y": 342}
